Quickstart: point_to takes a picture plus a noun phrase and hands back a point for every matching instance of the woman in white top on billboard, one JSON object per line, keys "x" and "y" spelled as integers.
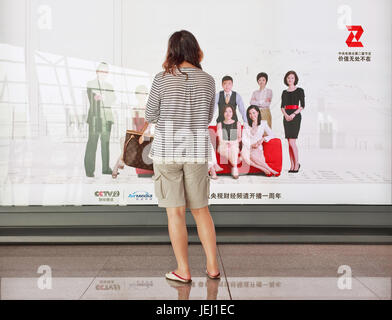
{"x": 252, "y": 141}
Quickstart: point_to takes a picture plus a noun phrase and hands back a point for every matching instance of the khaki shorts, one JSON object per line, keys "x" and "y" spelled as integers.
{"x": 181, "y": 184}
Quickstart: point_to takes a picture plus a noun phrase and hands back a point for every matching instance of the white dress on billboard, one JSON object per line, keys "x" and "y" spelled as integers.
{"x": 250, "y": 137}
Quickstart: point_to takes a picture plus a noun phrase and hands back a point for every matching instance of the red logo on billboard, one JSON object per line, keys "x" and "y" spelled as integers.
{"x": 358, "y": 33}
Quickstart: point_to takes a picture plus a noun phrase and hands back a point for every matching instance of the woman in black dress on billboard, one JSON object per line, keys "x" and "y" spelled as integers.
{"x": 293, "y": 102}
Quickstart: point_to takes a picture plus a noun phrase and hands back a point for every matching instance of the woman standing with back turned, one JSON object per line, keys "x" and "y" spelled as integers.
{"x": 181, "y": 103}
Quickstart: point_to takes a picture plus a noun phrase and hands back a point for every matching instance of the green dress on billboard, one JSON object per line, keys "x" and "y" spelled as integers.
{"x": 100, "y": 119}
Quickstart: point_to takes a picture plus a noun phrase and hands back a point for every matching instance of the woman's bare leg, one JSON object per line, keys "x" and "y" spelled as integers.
{"x": 214, "y": 163}
{"x": 261, "y": 165}
{"x": 213, "y": 172}
{"x": 256, "y": 158}
{"x": 206, "y": 232}
{"x": 265, "y": 166}
{"x": 223, "y": 151}
{"x": 233, "y": 159}
{"x": 292, "y": 161}
{"x": 178, "y": 234}
{"x": 249, "y": 161}
{"x": 233, "y": 155}
{"x": 253, "y": 164}
{"x": 294, "y": 148}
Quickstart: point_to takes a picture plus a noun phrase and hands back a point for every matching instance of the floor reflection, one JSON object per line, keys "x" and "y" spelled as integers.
{"x": 237, "y": 288}
{"x": 249, "y": 272}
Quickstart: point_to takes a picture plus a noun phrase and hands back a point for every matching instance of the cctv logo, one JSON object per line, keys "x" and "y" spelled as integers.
{"x": 358, "y": 33}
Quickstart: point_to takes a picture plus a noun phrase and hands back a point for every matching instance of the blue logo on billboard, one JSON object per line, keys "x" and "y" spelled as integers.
{"x": 140, "y": 195}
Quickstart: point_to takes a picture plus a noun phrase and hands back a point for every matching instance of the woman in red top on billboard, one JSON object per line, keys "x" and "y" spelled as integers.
{"x": 293, "y": 102}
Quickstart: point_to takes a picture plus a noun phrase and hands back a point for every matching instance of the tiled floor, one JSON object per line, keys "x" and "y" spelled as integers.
{"x": 250, "y": 271}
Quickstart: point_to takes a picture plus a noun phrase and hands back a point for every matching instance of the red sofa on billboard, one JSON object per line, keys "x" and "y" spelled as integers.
{"x": 272, "y": 154}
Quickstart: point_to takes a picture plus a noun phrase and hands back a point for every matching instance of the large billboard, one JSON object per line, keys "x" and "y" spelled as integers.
{"x": 61, "y": 60}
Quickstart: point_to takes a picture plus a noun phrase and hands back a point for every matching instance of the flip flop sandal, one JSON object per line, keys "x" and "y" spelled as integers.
{"x": 174, "y": 276}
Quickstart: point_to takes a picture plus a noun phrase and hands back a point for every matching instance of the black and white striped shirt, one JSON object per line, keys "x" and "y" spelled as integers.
{"x": 182, "y": 109}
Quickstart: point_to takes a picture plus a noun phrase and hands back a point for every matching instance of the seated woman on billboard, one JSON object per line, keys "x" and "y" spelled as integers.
{"x": 229, "y": 137}
{"x": 252, "y": 141}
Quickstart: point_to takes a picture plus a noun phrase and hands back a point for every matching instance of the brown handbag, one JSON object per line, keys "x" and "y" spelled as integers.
{"x": 134, "y": 152}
